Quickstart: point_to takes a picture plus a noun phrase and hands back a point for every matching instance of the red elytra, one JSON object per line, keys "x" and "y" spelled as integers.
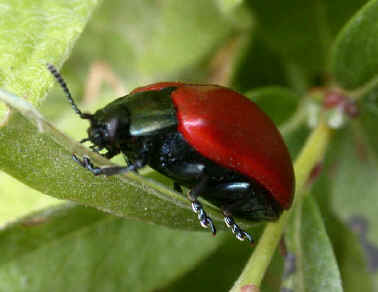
{"x": 229, "y": 129}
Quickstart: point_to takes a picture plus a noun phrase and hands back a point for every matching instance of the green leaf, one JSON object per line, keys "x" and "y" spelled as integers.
{"x": 355, "y": 53}
{"x": 45, "y": 164}
{"x": 257, "y": 65}
{"x": 368, "y": 120}
{"x": 273, "y": 277}
{"x": 73, "y": 248}
{"x": 33, "y": 33}
{"x": 316, "y": 266}
{"x": 228, "y": 5}
{"x": 350, "y": 255}
{"x": 354, "y": 185}
{"x": 278, "y": 103}
{"x": 231, "y": 254}
{"x": 17, "y": 199}
{"x": 301, "y": 32}
{"x": 145, "y": 42}
{"x": 151, "y": 41}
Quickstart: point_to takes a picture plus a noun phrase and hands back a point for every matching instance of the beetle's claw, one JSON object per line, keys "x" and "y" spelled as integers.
{"x": 81, "y": 162}
{"x": 239, "y": 233}
{"x": 239, "y": 236}
{"x": 86, "y": 163}
{"x": 205, "y": 221}
{"x": 211, "y": 225}
{"x": 76, "y": 159}
{"x": 248, "y": 236}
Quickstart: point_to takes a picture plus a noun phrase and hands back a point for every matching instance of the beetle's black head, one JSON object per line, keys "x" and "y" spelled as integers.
{"x": 107, "y": 130}
{"x": 99, "y": 136}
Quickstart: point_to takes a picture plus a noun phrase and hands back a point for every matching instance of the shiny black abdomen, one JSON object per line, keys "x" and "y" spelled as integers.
{"x": 172, "y": 156}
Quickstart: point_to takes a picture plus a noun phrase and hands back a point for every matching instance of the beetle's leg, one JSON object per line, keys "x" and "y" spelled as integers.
{"x": 239, "y": 233}
{"x": 113, "y": 170}
{"x": 234, "y": 196}
{"x": 205, "y": 221}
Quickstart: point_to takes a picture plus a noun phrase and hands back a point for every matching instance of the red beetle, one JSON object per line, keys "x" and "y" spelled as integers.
{"x": 208, "y": 138}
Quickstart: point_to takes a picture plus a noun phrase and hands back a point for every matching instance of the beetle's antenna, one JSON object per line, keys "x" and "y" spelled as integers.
{"x": 64, "y": 86}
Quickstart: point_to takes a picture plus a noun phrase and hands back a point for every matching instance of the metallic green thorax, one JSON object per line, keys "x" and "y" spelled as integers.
{"x": 151, "y": 111}
{"x": 146, "y": 112}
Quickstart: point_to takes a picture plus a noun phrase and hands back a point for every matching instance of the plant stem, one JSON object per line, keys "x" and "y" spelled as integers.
{"x": 311, "y": 154}
{"x": 294, "y": 122}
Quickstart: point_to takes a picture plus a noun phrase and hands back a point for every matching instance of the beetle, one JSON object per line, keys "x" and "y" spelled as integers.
{"x": 207, "y": 138}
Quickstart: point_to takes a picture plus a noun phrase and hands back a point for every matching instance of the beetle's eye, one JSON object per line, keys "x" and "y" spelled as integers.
{"x": 98, "y": 136}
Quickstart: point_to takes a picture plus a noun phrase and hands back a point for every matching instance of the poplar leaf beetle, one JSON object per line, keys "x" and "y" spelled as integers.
{"x": 207, "y": 138}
